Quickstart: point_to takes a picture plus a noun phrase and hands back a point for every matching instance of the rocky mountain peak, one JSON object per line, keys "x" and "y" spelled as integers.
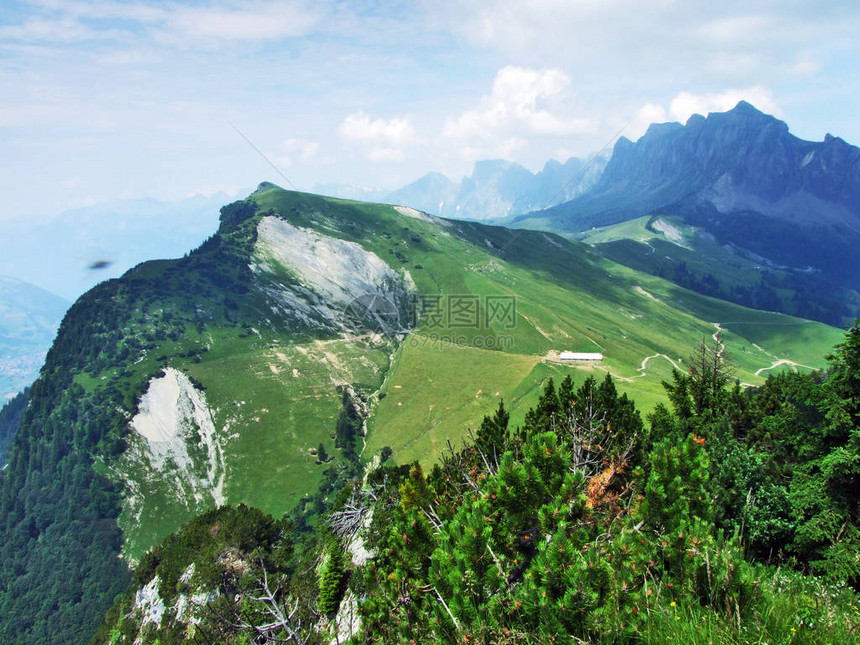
{"x": 749, "y": 150}
{"x": 741, "y": 176}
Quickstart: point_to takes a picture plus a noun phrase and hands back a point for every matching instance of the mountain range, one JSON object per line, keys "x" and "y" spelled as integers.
{"x": 498, "y": 189}
{"x": 731, "y": 205}
{"x": 757, "y": 216}
{"x": 744, "y": 178}
{"x": 309, "y": 337}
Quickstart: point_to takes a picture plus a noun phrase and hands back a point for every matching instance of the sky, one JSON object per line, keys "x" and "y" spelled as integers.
{"x": 122, "y": 99}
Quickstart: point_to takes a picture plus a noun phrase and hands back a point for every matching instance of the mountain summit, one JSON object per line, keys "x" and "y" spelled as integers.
{"x": 741, "y": 177}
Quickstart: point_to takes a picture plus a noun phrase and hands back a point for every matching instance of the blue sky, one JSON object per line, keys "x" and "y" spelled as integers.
{"x": 115, "y": 99}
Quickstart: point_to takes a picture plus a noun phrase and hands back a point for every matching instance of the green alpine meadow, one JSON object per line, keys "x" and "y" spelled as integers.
{"x": 339, "y": 420}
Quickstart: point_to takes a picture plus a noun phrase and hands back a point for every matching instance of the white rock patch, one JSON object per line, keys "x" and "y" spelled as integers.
{"x": 330, "y": 272}
{"x": 359, "y": 553}
{"x": 416, "y": 214}
{"x": 185, "y": 578}
{"x": 172, "y": 416}
{"x": 672, "y": 233}
{"x": 347, "y": 623}
{"x": 149, "y": 603}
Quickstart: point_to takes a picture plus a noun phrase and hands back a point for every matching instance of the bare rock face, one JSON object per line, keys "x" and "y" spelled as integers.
{"x": 175, "y": 444}
{"x": 325, "y": 274}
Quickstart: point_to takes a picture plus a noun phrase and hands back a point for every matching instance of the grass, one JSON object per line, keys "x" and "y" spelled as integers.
{"x": 272, "y": 402}
{"x": 567, "y": 298}
{"x": 792, "y": 609}
{"x": 634, "y": 229}
{"x": 436, "y": 393}
{"x": 640, "y": 243}
{"x": 696, "y": 259}
{"x": 273, "y": 393}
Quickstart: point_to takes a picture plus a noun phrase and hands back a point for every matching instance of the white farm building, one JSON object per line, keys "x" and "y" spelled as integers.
{"x": 581, "y": 356}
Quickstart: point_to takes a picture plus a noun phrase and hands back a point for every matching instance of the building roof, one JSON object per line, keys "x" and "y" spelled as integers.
{"x": 580, "y": 356}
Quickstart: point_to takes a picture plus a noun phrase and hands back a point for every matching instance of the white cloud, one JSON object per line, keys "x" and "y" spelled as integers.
{"x": 396, "y": 131}
{"x": 103, "y": 9}
{"x": 651, "y": 48}
{"x": 735, "y": 64}
{"x": 382, "y": 154}
{"x": 735, "y": 29}
{"x": 527, "y": 115}
{"x": 645, "y": 116}
{"x": 25, "y": 114}
{"x": 302, "y": 147}
{"x": 522, "y": 100}
{"x": 510, "y": 145}
{"x": 54, "y": 30}
{"x": 138, "y": 94}
{"x": 584, "y": 33}
{"x": 259, "y": 21}
{"x": 520, "y": 25}
{"x": 804, "y": 65}
{"x": 386, "y": 138}
{"x": 178, "y": 25}
{"x": 293, "y": 150}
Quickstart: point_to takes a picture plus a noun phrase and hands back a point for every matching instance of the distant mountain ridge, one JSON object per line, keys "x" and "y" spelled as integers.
{"x": 29, "y": 318}
{"x": 741, "y": 176}
{"x": 498, "y": 189}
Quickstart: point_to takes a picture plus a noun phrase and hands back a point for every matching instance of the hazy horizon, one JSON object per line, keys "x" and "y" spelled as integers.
{"x": 110, "y": 100}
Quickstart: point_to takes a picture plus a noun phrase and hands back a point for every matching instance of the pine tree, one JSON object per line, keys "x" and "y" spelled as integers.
{"x": 843, "y": 383}
{"x": 492, "y": 437}
{"x": 322, "y": 455}
{"x": 332, "y": 576}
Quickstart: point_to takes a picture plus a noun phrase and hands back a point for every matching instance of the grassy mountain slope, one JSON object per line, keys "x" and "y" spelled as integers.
{"x": 666, "y": 246}
{"x": 567, "y": 298}
{"x": 274, "y": 395}
{"x": 713, "y": 522}
{"x": 213, "y": 379}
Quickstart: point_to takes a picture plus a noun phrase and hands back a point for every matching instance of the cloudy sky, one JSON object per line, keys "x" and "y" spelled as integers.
{"x": 102, "y": 100}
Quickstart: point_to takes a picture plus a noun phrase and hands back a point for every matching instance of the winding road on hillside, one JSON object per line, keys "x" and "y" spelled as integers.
{"x": 553, "y": 356}
{"x": 777, "y": 361}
